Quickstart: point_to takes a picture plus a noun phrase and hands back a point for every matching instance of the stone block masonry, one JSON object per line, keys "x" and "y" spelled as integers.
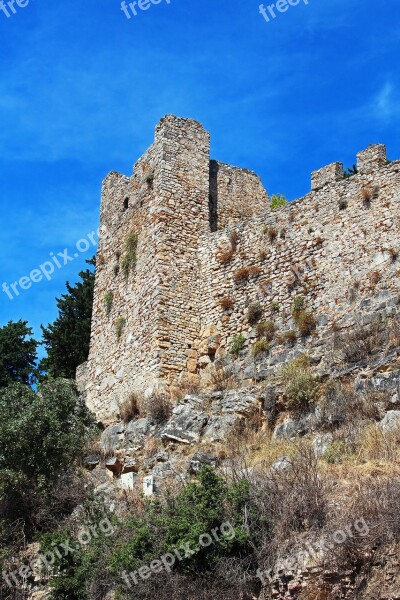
{"x": 178, "y": 231}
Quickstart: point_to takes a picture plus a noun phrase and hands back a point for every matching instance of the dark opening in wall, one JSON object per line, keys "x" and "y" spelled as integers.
{"x": 126, "y": 203}
{"x": 213, "y": 196}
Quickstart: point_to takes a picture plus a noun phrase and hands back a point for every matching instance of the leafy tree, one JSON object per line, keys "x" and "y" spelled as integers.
{"x": 41, "y": 434}
{"x": 278, "y": 200}
{"x": 67, "y": 339}
{"x": 17, "y": 353}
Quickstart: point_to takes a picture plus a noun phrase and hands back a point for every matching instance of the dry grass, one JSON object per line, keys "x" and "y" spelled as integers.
{"x": 394, "y": 254}
{"x": 245, "y": 437}
{"x": 152, "y": 445}
{"x": 227, "y": 303}
{"x": 360, "y": 343}
{"x": 222, "y": 378}
{"x": 241, "y": 275}
{"x": 254, "y": 271}
{"x": 272, "y": 233}
{"x": 234, "y": 239}
{"x": 158, "y": 407}
{"x": 185, "y": 387}
{"x": 225, "y": 255}
{"x": 130, "y": 408}
{"x": 340, "y": 404}
{"x": 306, "y": 322}
{"x": 266, "y": 329}
{"x": 380, "y": 446}
{"x": 369, "y": 192}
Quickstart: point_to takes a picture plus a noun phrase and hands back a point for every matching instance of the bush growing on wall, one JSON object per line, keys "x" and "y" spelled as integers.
{"x": 130, "y": 257}
{"x": 277, "y": 201}
{"x": 299, "y": 383}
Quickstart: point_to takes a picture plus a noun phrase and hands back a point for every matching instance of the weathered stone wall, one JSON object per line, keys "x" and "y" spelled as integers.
{"x": 235, "y": 195}
{"x": 336, "y": 246}
{"x": 198, "y": 224}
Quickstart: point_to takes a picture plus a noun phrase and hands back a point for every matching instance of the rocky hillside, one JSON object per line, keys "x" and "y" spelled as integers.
{"x": 293, "y": 449}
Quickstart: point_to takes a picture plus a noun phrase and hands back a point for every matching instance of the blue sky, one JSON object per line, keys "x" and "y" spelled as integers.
{"x": 82, "y": 88}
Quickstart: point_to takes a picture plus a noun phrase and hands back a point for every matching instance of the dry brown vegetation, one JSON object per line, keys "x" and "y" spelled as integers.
{"x": 158, "y": 407}
{"x": 223, "y": 378}
{"x": 241, "y": 275}
{"x": 130, "y": 408}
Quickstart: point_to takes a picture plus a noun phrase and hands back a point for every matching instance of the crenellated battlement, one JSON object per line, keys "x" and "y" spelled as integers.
{"x": 176, "y": 233}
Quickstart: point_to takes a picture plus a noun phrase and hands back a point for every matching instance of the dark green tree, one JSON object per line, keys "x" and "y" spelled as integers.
{"x": 41, "y": 434}
{"x": 351, "y": 171}
{"x": 67, "y": 339}
{"x": 17, "y": 353}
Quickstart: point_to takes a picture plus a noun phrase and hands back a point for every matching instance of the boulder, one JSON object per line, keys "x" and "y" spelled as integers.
{"x": 321, "y": 443}
{"x": 112, "y": 437}
{"x": 218, "y": 427}
{"x": 288, "y": 429}
{"x": 199, "y": 460}
{"x": 136, "y": 431}
{"x": 390, "y": 421}
{"x": 127, "y": 481}
{"x": 281, "y": 464}
{"x": 114, "y": 464}
{"x": 185, "y": 425}
{"x": 240, "y": 402}
{"x": 130, "y": 465}
{"x": 92, "y": 461}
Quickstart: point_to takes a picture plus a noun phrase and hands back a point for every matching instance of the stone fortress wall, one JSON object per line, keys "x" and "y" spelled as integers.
{"x": 205, "y": 233}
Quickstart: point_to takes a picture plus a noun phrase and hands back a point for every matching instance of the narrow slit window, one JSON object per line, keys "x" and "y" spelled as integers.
{"x": 126, "y": 203}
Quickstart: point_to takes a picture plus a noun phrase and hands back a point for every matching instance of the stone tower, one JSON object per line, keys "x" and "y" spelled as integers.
{"x": 145, "y": 322}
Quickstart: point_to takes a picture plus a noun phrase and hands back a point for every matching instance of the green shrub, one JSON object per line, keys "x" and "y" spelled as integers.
{"x": 237, "y": 344}
{"x": 41, "y": 434}
{"x": 277, "y": 201}
{"x": 275, "y": 307}
{"x": 79, "y": 573}
{"x": 336, "y": 452}
{"x": 298, "y": 305}
{"x": 305, "y": 320}
{"x": 108, "y": 300}
{"x": 129, "y": 259}
{"x": 161, "y": 527}
{"x": 300, "y": 385}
